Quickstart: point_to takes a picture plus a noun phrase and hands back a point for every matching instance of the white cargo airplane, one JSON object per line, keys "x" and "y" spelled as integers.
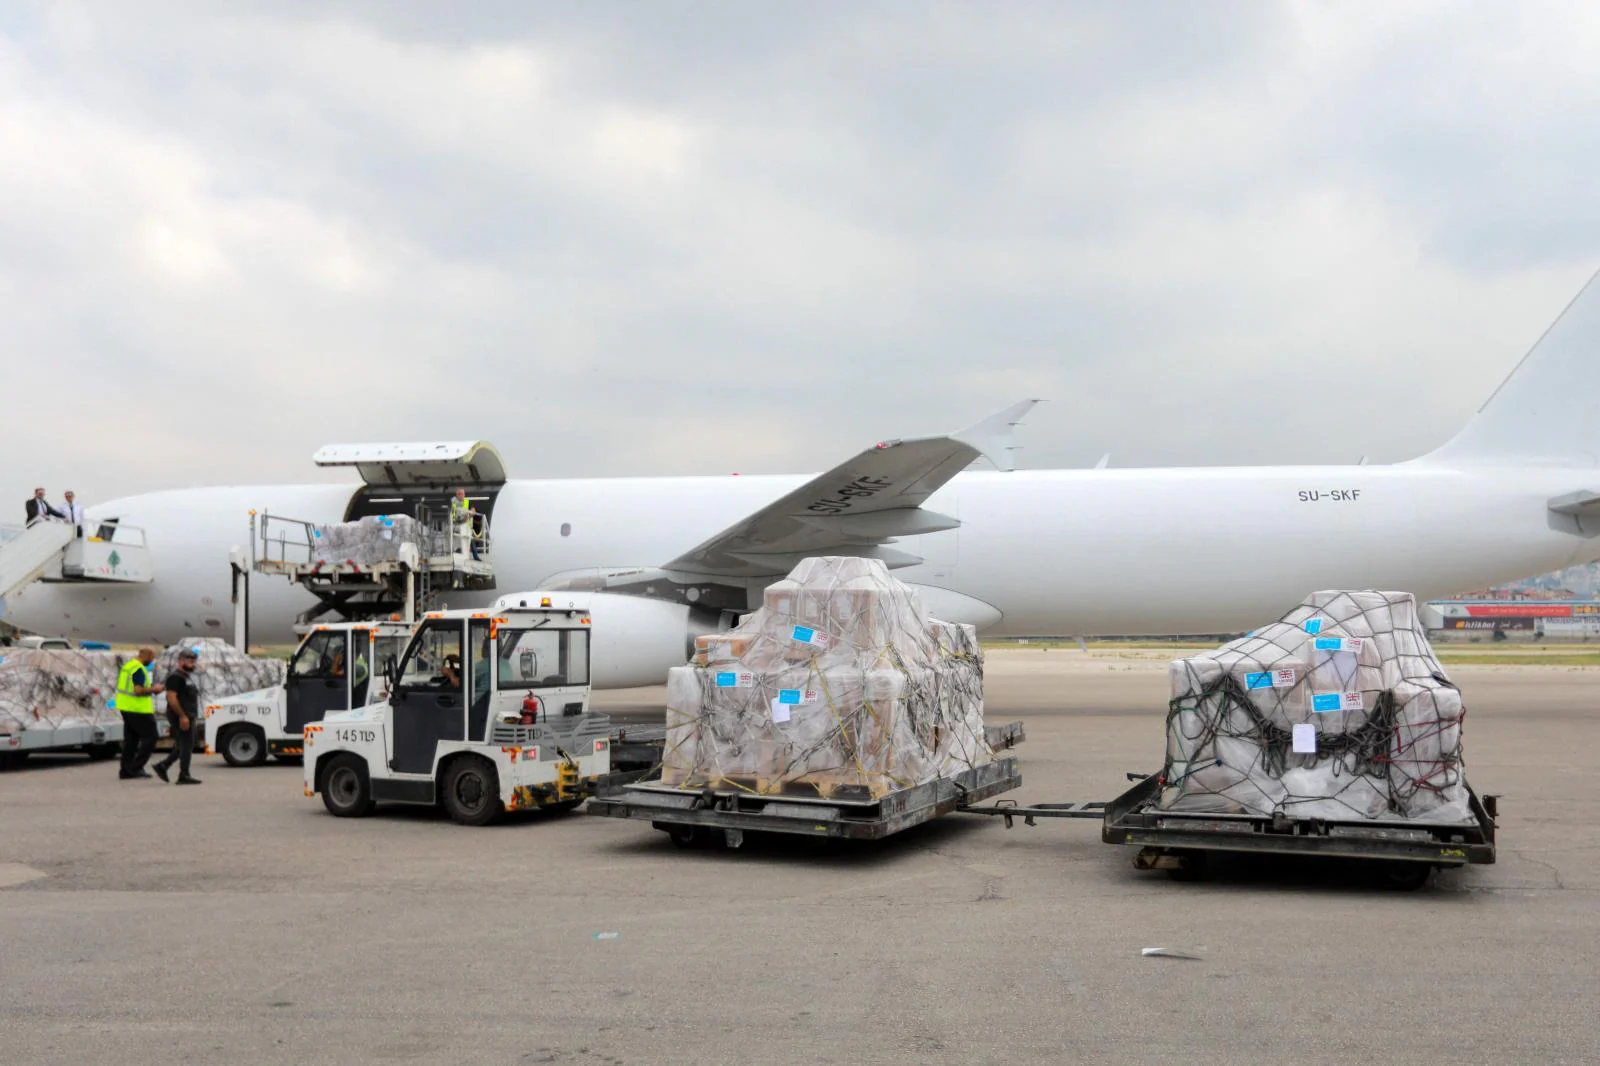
{"x": 1071, "y": 552}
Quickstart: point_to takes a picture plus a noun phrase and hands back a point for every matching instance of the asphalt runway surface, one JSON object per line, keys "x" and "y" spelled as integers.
{"x": 239, "y": 922}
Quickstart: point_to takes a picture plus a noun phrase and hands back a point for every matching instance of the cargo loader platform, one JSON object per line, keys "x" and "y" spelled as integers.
{"x": 724, "y": 815}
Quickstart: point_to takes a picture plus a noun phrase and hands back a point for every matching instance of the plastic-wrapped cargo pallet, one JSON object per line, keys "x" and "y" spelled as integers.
{"x": 1340, "y": 711}
{"x": 838, "y": 686}
{"x": 367, "y": 541}
{"x": 50, "y": 689}
{"x": 222, "y": 670}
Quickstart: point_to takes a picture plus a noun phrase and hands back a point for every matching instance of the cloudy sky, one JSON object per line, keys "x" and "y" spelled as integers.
{"x": 701, "y": 237}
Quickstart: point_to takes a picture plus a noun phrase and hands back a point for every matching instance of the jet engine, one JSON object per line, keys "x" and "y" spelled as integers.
{"x": 637, "y": 640}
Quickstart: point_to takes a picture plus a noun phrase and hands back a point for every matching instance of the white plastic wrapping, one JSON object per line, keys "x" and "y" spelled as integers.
{"x": 1340, "y": 711}
{"x": 365, "y": 542}
{"x": 49, "y": 689}
{"x": 838, "y": 686}
{"x": 221, "y": 670}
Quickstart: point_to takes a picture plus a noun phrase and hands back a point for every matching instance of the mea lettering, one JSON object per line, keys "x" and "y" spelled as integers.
{"x": 1337, "y": 495}
{"x": 860, "y": 489}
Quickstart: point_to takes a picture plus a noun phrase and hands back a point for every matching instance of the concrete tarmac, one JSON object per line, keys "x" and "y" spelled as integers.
{"x": 239, "y": 922}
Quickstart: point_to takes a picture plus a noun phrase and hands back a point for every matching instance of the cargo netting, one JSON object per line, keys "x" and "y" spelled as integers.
{"x": 1340, "y": 711}
{"x": 42, "y": 689}
{"x": 367, "y": 541}
{"x": 839, "y": 686}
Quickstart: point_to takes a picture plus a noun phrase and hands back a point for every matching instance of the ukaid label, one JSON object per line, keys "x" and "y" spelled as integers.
{"x": 813, "y": 637}
{"x": 1323, "y": 702}
{"x": 1313, "y": 626}
{"x": 735, "y": 679}
{"x": 1352, "y": 644}
{"x": 787, "y": 699}
{"x": 1270, "y": 679}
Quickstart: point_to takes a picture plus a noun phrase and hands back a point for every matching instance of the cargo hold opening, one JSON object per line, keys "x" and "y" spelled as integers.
{"x": 419, "y": 479}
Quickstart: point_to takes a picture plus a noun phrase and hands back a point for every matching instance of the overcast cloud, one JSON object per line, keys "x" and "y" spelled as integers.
{"x": 695, "y": 238}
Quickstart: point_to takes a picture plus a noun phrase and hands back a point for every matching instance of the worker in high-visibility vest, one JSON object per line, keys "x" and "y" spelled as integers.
{"x": 136, "y": 703}
{"x": 462, "y": 518}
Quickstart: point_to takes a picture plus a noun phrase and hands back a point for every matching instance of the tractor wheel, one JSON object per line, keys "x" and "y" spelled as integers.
{"x": 244, "y": 746}
{"x": 345, "y": 789}
{"x": 471, "y": 791}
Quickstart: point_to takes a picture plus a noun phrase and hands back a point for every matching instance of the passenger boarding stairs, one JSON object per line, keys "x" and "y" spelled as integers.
{"x": 52, "y": 551}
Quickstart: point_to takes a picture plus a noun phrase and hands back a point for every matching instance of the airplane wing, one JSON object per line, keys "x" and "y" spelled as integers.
{"x": 856, "y": 508}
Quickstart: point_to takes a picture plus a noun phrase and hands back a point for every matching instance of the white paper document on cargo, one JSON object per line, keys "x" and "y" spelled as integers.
{"x": 780, "y": 710}
{"x": 1305, "y": 739}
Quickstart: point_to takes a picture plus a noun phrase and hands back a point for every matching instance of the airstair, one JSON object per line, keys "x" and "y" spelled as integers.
{"x": 53, "y": 552}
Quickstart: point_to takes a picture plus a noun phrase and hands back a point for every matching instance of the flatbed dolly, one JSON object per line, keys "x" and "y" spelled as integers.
{"x": 1181, "y": 841}
{"x": 708, "y": 815}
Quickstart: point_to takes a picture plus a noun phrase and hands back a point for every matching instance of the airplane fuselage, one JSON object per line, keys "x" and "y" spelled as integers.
{"x": 1071, "y": 552}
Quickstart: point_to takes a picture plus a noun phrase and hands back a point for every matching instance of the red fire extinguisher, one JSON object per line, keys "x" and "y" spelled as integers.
{"x": 530, "y": 708}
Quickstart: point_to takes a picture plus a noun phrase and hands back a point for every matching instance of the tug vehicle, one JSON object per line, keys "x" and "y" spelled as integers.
{"x": 487, "y": 712}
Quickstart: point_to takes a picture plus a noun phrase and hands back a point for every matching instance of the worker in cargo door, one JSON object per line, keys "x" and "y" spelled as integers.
{"x": 463, "y": 519}
{"x": 135, "y": 701}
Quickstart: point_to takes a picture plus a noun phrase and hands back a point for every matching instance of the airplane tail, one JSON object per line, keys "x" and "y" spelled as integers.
{"x": 1547, "y": 412}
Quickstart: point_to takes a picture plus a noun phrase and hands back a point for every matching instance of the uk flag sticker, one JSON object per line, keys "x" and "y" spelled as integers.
{"x": 735, "y": 679}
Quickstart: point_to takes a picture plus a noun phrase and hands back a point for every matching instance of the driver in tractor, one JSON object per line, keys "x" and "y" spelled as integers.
{"x": 449, "y": 672}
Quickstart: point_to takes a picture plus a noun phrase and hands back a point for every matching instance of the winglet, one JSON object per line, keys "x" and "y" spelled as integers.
{"x": 993, "y": 437}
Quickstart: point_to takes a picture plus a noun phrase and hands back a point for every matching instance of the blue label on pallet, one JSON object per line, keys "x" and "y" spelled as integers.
{"x": 728, "y": 679}
{"x": 1328, "y": 644}
{"x": 1313, "y": 626}
{"x": 1262, "y": 680}
{"x": 1325, "y": 701}
{"x": 803, "y": 634}
{"x": 789, "y": 695}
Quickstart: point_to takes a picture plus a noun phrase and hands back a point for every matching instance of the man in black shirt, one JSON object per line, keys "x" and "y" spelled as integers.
{"x": 183, "y": 712}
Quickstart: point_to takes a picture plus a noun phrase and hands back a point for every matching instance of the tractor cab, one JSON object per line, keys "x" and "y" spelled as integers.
{"x": 487, "y": 711}
{"x": 336, "y": 667}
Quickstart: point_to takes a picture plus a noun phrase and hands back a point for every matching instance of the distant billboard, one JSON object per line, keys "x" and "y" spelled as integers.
{"x": 1490, "y": 624}
{"x": 1449, "y": 609}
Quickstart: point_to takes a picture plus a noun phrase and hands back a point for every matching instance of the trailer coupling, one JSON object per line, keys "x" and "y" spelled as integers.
{"x": 1010, "y": 810}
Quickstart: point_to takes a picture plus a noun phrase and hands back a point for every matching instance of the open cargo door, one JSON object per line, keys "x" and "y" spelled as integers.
{"x": 436, "y": 465}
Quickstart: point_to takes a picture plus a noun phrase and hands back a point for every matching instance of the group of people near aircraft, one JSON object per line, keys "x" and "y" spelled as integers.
{"x": 40, "y": 509}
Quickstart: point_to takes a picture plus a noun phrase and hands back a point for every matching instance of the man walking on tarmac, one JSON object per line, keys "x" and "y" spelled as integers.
{"x": 182, "y": 714}
{"x": 136, "y": 702}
